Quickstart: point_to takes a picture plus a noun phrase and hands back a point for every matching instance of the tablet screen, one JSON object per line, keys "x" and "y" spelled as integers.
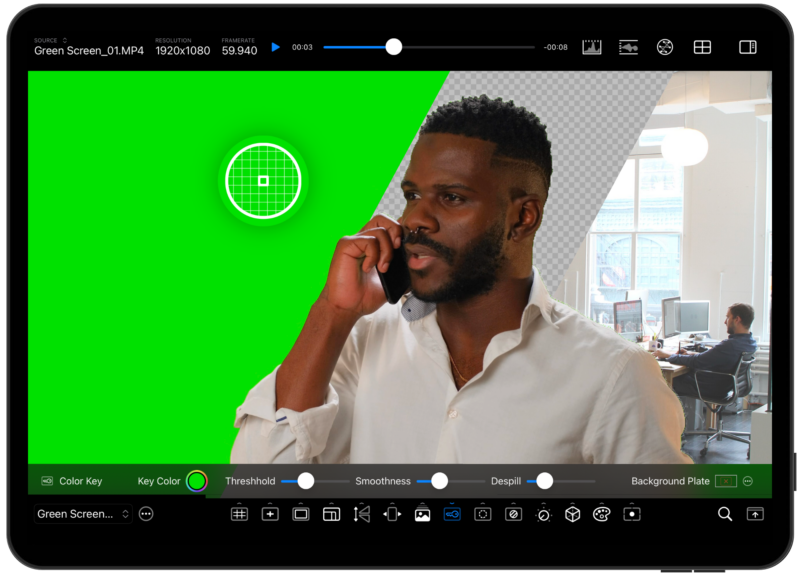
{"x": 205, "y": 369}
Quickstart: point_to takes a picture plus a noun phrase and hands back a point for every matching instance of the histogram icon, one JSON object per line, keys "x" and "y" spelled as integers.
{"x": 263, "y": 180}
{"x": 592, "y": 47}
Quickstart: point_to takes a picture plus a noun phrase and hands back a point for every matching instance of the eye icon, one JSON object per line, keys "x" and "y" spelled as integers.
{"x": 601, "y": 513}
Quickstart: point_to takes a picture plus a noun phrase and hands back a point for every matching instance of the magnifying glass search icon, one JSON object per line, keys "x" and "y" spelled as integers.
{"x": 724, "y": 513}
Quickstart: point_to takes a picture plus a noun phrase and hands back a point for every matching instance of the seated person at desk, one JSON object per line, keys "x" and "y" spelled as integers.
{"x": 723, "y": 357}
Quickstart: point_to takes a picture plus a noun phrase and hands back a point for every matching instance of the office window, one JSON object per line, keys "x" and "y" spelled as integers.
{"x": 768, "y": 311}
{"x": 635, "y": 241}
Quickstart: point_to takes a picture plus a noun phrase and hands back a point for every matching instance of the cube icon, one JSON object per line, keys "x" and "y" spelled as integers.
{"x": 573, "y": 514}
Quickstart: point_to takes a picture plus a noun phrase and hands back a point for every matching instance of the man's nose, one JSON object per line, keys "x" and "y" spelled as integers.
{"x": 420, "y": 217}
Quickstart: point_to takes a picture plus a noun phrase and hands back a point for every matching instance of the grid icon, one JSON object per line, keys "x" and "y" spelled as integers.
{"x": 239, "y": 514}
{"x": 702, "y": 46}
{"x": 263, "y": 180}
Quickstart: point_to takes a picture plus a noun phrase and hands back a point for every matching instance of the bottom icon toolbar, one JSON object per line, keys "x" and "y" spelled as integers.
{"x": 547, "y": 512}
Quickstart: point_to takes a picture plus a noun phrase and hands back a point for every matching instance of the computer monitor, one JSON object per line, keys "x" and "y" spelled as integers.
{"x": 694, "y": 315}
{"x": 642, "y": 294}
{"x": 628, "y": 319}
{"x": 669, "y": 317}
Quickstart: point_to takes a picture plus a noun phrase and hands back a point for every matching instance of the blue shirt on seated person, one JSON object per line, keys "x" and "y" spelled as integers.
{"x": 724, "y": 357}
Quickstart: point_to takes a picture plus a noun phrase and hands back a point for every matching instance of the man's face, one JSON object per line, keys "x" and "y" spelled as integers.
{"x": 730, "y": 322}
{"x": 455, "y": 218}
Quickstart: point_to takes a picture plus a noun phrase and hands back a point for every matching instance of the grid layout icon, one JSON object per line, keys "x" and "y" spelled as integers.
{"x": 263, "y": 180}
{"x": 702, "y": 46}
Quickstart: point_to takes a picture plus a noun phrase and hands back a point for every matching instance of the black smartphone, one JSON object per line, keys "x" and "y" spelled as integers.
{"x": 396, "y": 280}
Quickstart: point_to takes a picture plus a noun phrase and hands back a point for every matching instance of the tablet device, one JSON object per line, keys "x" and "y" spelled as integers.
{"x": 203, "y": 374}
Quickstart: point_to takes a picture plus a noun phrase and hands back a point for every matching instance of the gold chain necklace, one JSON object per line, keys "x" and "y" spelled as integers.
{"x": 456, "y": 367}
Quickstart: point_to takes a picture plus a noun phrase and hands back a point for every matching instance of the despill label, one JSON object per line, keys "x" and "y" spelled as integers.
{"x": 516, "y": 481}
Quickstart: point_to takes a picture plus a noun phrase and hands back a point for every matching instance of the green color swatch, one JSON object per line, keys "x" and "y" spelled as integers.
{"x": 152, "y": 309}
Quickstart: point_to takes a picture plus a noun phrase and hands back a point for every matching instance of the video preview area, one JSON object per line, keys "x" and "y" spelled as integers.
{"x": 611, "y": 302}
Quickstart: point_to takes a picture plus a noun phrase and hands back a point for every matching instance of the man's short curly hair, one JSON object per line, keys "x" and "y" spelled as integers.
{"x": 518, "y": 133}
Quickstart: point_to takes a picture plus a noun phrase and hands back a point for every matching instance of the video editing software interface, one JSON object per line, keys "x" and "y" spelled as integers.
{"x": 290, "y": 290}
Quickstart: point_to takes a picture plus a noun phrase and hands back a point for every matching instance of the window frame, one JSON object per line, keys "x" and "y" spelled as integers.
{"x": 766, "y": 305}
{"x": 635, "y": 232}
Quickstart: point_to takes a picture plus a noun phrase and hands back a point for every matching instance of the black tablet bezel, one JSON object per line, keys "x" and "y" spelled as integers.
{"x": 753, "y": 18}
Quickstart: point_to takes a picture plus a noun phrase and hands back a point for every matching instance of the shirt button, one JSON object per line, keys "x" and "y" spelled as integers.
{"x": 453, "y": 413}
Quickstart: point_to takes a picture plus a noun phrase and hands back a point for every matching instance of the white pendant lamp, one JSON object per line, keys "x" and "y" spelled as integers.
{"x": 685, "y": 146}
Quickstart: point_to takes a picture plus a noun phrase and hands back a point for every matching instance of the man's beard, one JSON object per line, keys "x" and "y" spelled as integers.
{"x": 731, "y": 330}
{"x": 473, "y": 271}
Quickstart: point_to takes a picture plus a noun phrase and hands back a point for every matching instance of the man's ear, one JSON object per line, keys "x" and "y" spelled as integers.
{"x": 528, "y": 217}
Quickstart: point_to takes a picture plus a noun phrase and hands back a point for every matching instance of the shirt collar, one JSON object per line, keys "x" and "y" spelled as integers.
{"x": 539, "y": 303}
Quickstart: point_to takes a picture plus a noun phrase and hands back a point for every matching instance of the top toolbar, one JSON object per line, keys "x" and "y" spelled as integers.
{"x": 352, "y": 51}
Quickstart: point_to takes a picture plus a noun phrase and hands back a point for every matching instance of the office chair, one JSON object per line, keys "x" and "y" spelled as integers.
{"x": 740, "y": 383}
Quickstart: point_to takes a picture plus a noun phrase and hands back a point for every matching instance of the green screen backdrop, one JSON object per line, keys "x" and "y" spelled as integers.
{"x": 152, "y": 309}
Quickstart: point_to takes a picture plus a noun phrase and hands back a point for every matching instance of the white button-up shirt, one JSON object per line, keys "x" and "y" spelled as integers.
{"x": 560, "y": 389}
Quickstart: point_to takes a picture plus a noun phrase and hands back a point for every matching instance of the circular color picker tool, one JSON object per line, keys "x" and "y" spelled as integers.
{"x": 196, "y": 481}
{"x": 264, "y": 180}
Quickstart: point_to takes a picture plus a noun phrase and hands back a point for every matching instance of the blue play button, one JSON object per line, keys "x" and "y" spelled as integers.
{"x": 274, "y": 46}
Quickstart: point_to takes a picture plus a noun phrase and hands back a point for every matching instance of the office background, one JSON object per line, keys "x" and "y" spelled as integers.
{"x": 701, "y": 232}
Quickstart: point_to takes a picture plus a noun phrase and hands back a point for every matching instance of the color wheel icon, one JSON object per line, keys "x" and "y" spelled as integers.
{"x": 196, "y": 481}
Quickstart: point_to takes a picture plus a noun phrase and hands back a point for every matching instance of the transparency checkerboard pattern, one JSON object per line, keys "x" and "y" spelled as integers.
{"x": 593, "y": 120}
{"x": 263, "y": 180}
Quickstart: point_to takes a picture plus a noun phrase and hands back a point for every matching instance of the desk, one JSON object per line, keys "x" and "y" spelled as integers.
{"x": 691, "y": 344}
{"x": 669, "y": 371}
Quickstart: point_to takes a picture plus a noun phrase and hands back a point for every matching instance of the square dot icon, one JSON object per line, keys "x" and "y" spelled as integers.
{"x": 263, "y": 180}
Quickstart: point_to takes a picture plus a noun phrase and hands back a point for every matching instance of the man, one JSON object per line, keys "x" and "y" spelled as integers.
{"x": 477, "y": 364}
{"x": 724, "y": 357}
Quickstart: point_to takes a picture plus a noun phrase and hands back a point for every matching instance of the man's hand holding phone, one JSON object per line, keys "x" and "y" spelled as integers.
{"x": 352, "y": 290}
{"x": 353, "y": 284}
